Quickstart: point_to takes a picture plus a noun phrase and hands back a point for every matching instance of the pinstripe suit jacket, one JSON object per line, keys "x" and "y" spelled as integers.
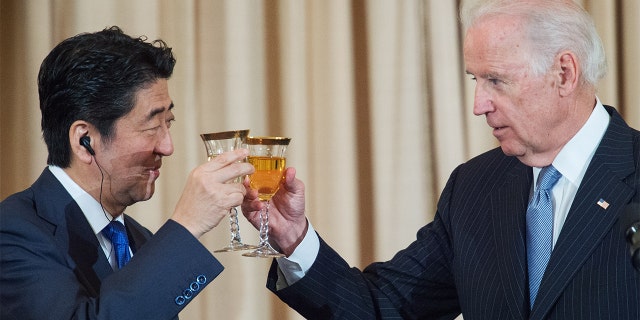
{"x": 52, "y": 266}
{"x": 472, "y": 257}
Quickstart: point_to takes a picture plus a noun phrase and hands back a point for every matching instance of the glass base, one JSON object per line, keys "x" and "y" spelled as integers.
{"x": 266, "y": 251}
{"x": 237, "y": 246}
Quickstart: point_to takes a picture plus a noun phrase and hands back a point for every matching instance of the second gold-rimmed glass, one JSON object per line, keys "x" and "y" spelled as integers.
{"x": 267, "y": 155}
{"x": 217, "y": 143}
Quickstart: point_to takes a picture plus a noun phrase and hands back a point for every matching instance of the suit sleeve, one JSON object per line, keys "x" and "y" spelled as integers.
{"x": 416, "y": 283}
{"x": 39, "y": 280}
{"x": 162, "y": 277}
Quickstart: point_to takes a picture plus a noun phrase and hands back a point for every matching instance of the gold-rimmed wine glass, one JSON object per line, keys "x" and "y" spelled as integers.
{"x": 267, "y": 155}
{"x": 217, "y": 143}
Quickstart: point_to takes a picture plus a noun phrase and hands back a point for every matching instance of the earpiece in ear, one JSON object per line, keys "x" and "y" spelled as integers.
{"x": 86, "y": 143}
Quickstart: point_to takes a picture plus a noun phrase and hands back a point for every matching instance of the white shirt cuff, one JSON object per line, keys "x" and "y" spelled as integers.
{"x": 294, "y": 267}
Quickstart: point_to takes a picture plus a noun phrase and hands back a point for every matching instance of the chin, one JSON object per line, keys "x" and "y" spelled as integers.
{"x": 150, "y": 189}
{"x": 507, "y": 151}
{"x": 511, "y": 151}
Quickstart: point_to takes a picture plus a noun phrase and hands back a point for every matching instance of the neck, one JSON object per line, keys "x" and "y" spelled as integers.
{"x": 577, "y": 112}
{"x": 95, "y": 182}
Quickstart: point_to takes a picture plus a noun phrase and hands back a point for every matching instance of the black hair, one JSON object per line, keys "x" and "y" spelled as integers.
{"x": 95, "y": 77}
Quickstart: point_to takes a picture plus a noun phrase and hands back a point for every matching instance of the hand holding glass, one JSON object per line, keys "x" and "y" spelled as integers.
{"x": 216, "y": 144}
{"x": 266, "y": 154}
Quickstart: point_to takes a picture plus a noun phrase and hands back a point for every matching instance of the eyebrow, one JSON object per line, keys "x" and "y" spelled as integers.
{"x": 487, "y": 75}
{"x": 156, "y": 111}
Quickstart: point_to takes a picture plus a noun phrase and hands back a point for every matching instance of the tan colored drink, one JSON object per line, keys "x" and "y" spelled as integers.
{"x": 267, "y": 176}
{"x": 266, "y": 154}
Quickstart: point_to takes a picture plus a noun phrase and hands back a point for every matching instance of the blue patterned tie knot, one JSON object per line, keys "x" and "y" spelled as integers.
{"x": 116, "y": 232}
{"x": 540, "y": 229}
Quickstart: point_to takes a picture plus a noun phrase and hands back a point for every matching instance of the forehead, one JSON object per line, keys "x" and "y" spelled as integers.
{"x": 151, "y": 101}
{"x": 495, "y": 41}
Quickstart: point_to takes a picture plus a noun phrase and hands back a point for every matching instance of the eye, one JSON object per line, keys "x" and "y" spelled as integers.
{"x": 169, "y": 122}
{"x": 152, "y": 130}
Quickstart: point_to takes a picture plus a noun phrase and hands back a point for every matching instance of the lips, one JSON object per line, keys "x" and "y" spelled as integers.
{"x": 498, "y": 131}
{"x": 154, "y": 171}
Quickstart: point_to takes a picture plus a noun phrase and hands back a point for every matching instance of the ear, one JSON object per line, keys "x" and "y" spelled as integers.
{"x": 79, "y": 129}
{"x": 568, "y": 73}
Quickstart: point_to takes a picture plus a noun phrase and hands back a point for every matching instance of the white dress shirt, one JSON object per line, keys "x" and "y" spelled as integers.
{"x": 97, "y": 217}
{"x": 571, "y": 162}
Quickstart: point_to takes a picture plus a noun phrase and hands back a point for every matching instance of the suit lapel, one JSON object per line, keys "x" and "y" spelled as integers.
{"x": 587, "y": 222}
{"x": 136, "y": 234}
{"x": 509, "y": 205}
{"x": 91, "y": 264}
{"x": 71, "y": 231}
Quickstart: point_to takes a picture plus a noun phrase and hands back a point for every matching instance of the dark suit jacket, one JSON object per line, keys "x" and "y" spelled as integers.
{"x": 52, "y": 266}
{"x": 472, "y": 257}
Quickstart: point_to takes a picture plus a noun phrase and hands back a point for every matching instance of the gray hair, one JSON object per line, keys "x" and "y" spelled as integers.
{"x": 552, "y": 26}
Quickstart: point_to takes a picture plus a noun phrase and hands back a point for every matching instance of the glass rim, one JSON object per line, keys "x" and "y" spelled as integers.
{"x": 267, "y": 140}
{"x": 242, "y": 134}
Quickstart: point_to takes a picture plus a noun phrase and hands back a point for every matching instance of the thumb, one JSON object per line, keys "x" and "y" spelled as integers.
{"x": 291, "y": 184}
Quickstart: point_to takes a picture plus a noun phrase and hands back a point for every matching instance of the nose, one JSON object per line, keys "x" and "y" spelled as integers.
{"x": 482, "y": 102}
{"x": 165, "y": 144}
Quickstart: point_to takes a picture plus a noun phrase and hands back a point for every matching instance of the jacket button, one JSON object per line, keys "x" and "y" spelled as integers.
{"x": 180, "y": 300}
{"x": 201, "y": 279}
{"x": 188, "y": 294}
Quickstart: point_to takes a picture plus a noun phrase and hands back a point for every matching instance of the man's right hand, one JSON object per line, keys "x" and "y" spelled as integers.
{"x": 207, "y": 196}
{"x": 287, "y": 221}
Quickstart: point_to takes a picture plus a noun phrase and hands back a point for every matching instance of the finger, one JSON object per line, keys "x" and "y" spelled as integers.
{"x": 291, "y": 184}
{"x": 228, "y": 195}
{"x": 247, "y": 182}
{"x": 251, "y": 194}
{"x": 251, "y": 202}
{"x": 289, "y": 174}
{"x": 226, "y": 158}
{"x": 229, "y": 172}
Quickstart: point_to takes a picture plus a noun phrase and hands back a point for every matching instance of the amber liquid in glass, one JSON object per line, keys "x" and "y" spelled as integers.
{"x": 267, "y": 176}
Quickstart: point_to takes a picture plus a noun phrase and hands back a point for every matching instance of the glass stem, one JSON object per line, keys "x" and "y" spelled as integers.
{"x": 264, "y": 225}
{"x": 235, "y": 226}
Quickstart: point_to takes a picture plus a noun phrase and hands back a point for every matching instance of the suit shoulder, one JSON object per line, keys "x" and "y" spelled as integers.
{"x": 17, "y": 204}
{"x": 484, "y": 172}
{"x": 19, "y": 214}
{"x": 489, "y": 162}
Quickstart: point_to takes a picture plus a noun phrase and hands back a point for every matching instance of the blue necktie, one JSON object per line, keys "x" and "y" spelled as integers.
{"x": 116, "y": 232}
{"x": 540, "y": 229}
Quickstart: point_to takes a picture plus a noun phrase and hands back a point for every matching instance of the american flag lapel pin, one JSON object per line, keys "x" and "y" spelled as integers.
{"x": 603, "y": 204}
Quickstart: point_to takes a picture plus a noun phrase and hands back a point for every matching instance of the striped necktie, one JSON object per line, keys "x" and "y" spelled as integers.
{"x": 116, "y": 232}
{"x": 540, "y": 229}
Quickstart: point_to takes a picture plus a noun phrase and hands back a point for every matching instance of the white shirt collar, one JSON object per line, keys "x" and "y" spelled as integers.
{"x": 575, "y": 156}
{"x": 92, "y": 210}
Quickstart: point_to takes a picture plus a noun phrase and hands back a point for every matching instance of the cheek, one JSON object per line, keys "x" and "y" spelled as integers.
{"x": 136, "y": 147}
{"x": 129, "y": 157}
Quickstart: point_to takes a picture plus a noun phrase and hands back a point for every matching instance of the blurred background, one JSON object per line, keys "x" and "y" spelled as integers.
{"x": 373, "y": 94}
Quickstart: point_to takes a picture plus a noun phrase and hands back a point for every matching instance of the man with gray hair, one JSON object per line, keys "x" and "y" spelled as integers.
{"x": 529, "y": 230}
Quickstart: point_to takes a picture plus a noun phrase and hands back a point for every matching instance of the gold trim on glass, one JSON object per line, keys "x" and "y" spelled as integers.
{"x": 268, "y": 140}
{"x": 242, "y": 134}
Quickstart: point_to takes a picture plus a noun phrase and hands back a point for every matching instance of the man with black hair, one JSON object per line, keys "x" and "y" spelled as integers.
{"x": 67, "y": 250}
